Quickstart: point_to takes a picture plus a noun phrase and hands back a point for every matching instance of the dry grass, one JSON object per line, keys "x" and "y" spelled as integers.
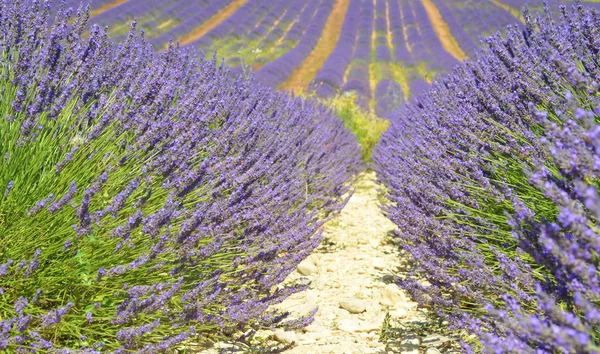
{"x": 303, "y": 75}
{"x": 443, "y": 31}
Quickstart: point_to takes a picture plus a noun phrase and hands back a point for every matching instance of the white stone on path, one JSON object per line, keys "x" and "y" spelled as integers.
{"x": 391, "y": 295}
{"x": 307, "y": 267}
{"x": 348, "y": 325}
{"x": 353, "y": 305}
{"x": 285, "y": 337}
{"x": 379, "y": 264}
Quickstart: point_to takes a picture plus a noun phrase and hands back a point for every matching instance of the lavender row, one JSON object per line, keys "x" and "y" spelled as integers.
{"x": 492, "y": 180}
{"x": 150, "y": 199}
{"x": 358, "y": 76}
{"x": 243, "y": 32}
{"x": 227, "y": 27}
{"x": 439, "y": 59}
{"x": 296, "y": 7}
{"x": 276, "y": 72}
{"x": 466, "y": 43}
{"x": 401, "y": 52}
{"x": 330, "y": 77}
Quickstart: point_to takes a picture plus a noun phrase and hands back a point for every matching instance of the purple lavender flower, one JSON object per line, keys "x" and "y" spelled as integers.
{"x": 491, "y": 178}
{"x": 216, "y": 188}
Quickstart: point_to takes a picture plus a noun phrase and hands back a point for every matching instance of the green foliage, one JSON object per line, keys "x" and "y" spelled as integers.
{"x": 366, "y": 126}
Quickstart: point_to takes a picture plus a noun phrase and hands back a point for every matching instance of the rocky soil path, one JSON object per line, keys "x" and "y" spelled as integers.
{"x": 351, "y": 275}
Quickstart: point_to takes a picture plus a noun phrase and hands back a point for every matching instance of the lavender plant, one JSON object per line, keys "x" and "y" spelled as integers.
{"x": 149, "y": 199}
{"x": 492, "y": 179}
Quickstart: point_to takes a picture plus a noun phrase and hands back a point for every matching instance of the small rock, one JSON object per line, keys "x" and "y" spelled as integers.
{"x": 408, "y": 305}
{"x": 399, "y": 313}
{"x": 210, "y": 351}
{"x": 306, "y": 267}
{"x": 391, "y": 295}
{"x": 414, "y": 351}
{"x": 432, "y": 351}
{"x": 374, "y": 243}
{"x": 435, "y": 340}
{"x": 362, "y": 241}
{"x": 353, "y": 305}
{"x": 285, "y": 337}
{"x": 348, "y": 325}
{"x": 313, "y": 328}
{"x": 264, "y": 333}
{"x": 378, "y": 263}
{"x": 368, "y": 327}
{"x": 305, "y": 341}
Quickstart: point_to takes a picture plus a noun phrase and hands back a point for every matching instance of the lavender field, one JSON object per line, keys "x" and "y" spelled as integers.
{"x": 385, "y": 51}
{"x": 300, "y": 176}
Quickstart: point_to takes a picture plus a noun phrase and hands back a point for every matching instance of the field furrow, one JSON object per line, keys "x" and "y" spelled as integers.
{"x": 300, "y": 78}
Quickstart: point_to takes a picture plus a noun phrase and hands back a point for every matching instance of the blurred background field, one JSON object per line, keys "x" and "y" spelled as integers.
{"x": 364, "y": 58}
{"x": 384, "y": 51}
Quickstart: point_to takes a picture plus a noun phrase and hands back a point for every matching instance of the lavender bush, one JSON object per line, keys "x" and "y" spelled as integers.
{"x": 149, "y": 199}
{"x": 330, "y": 77}
{"x": 492, "y": 179}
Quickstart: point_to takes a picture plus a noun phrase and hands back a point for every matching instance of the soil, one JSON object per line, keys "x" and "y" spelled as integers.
{"x": 212, "y": 22}
{"x": 443, "y": 31}
{"x": 352, "y": 278}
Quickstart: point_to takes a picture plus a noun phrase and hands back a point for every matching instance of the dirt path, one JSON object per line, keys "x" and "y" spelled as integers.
{"x": 212, "y": 22}
{"x": 351, "y": 275}
{"x": 351, "y": 279}
{"x": 106, "y": 7}
{"x": 303, "y": 75}
{"x": 443, "y": 31}
{"x": 516, "y": 13}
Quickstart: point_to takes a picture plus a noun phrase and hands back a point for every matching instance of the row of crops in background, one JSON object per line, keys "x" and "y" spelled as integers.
{"x": 388, "y": 50}
{"x": 150, "y": 199}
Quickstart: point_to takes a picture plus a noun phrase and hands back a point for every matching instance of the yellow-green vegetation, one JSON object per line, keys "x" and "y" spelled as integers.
{"x": 366, "y": 126}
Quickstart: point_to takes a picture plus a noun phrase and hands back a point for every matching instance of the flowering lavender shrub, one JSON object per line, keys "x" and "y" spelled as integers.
{"x": 492, "y": 179}
{"x": 149, "y": 199}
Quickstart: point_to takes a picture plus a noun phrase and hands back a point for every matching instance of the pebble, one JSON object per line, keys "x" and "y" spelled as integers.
{"x": 368, "y": 327}
{"x": 374, "y": 243}
{"x": 414, "y": 351}
{"x": 313, "y": 328}
{"x": 399, "y": 313}
{"x": 307, "y": 268}
{"x": 391, "y": 295}
{"x": 378, "y": 263}
{"x": 432, "y": 351}
{"x": 353, "y": 305}
{"x": 285, "y": 337}
{"x": 210, "y": 351}
{"x": 348, "y": 325}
